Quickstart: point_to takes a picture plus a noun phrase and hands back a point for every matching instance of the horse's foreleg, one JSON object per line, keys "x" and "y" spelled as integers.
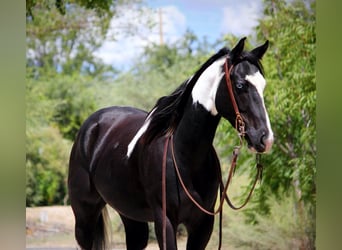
{"x": 199, "y": 232}
{"x": 171, "y": 243}
{"x": 136, "y": 233}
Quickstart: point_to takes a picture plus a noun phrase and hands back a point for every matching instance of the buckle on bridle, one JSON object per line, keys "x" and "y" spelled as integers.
{"x": 240, "y": 125}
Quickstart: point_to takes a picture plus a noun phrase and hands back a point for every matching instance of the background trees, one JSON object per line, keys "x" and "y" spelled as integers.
{"x": 291, "y": 101}
{"x": 66, "y": 82}
{"x": 292, "y": 97}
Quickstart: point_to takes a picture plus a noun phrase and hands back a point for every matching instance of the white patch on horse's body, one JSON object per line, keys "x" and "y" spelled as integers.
{"x": 140, "y": 132}
{"x": 260, "y": 83}
{"x": 204, "y": 91}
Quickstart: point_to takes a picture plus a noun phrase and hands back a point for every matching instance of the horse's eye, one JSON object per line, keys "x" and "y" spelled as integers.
{"x": 239, "y": 85}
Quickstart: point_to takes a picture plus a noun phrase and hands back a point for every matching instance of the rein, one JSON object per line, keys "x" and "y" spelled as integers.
{"x": 240, "y": 127}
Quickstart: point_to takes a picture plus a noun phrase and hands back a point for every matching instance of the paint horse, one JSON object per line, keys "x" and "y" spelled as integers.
{"x": 117, "y": 156}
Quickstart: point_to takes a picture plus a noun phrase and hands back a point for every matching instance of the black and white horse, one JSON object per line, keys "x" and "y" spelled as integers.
{"x": 117, "y": 156}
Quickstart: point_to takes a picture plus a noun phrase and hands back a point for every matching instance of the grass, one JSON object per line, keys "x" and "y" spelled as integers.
{"x": 284, "y": 228}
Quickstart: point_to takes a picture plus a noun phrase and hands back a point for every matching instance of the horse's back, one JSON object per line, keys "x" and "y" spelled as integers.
{"x": 114, "y": 126}
{"x": 99, "y": 161}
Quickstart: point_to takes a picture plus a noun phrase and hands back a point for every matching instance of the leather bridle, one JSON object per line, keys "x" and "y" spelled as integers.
{"x": 239, "y": 123}
{"x": 240, "y": 127}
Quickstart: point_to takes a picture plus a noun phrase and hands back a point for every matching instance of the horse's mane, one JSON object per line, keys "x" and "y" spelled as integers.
{"x": 165, "y": 116}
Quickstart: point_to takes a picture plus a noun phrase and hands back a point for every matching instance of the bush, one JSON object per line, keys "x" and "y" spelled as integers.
{"x": 287, "y": 226}
{"x": 46, "y": 167}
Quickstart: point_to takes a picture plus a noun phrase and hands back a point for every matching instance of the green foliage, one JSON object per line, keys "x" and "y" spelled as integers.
{"x": 291, "y": 101}
{"x": 65, "y": 102}
{"x": 46, "y": 156}
{"x": 161, "y": 70}
{"x": 64, "y": 41}
{"x": 161, "y": 57}
{"x": 291, "y": 96}
{"x": 55, "y": 110}
{"x": 62, "y": 85}
{"x": 75, "y": 102}
{"x": 280, "y": 229}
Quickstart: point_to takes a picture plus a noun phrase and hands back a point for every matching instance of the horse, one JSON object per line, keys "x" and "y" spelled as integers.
{"x": 117, "y": 156}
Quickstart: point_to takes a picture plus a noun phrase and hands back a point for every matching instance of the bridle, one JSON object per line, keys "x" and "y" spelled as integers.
{"x": 240, "y": 127}
{"x": 239, "y": 123}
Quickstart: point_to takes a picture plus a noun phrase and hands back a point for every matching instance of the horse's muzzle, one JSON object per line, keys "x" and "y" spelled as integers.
{"x": 259, "y": 141}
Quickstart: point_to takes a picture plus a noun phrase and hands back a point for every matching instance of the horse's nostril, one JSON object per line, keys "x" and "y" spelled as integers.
{"x": 263, "y": 137}
{"x": 266, "y": 142}
{"x": 262, "y": 143}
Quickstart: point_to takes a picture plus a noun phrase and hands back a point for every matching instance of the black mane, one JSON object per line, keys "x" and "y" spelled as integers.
{"x": 168, "y": 111}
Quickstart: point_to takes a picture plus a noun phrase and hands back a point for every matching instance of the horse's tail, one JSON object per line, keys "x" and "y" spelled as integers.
{"x": 101, "y": 236}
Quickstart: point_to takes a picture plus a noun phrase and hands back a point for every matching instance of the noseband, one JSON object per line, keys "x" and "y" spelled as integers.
{"x": 240, "y": 127}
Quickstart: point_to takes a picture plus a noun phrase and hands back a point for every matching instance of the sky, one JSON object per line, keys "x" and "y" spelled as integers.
{"x": 206, "y": 18}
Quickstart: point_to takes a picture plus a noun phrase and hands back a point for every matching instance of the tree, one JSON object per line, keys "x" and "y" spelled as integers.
{"x": 46, "y": 170}
{"x": 47, "y": 152}
{"x": 62, "y": 79}
{"x": 101, "y": 6}
{"x": 291, "y": 101}
{"x": 159, "y": 71}
{"x": 291, "y": 96}
{"x": 62, "y": 35}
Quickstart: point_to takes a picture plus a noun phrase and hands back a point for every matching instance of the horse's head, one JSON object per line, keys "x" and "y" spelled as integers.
{"x": 244, "y": 73}
{"x": 208, "y": 87}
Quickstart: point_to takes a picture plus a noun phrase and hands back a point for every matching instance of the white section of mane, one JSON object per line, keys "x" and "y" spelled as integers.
{"x": 140, "y": 132}
{"x": 204, "y": 91}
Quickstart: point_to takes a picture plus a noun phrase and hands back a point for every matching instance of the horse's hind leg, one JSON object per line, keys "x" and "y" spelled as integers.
{"x": 89, "y": 227}
{"x": 87, "y": 206}
{"x": 136, "y": 233}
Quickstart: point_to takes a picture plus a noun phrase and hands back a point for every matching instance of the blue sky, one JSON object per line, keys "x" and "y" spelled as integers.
{"x": 206, "y": 18}
{"x": 212, "y": 18}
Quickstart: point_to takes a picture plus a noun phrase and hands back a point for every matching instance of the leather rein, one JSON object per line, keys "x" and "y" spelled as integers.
{"x": 240, "y": 127}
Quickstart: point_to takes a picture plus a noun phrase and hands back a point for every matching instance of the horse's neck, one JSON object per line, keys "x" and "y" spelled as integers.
{"x": 195, "y": 133}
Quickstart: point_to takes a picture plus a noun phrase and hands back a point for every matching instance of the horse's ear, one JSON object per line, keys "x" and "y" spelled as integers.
{"x": 260, "y": 51}
{"x": 237, "y": 50}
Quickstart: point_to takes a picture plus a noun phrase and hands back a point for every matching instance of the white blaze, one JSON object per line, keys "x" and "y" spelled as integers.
{"x": 260, "y": 83}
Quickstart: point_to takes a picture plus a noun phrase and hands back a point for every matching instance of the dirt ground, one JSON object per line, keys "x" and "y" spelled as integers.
{"x": 53, "y": 228}
{"x": 50, "y": 227}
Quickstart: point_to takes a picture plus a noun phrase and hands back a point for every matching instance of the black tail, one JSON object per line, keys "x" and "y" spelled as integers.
{"x": 101, "y": 231}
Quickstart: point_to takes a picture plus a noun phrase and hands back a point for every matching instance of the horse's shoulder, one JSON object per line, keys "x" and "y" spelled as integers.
{"x": 214, "y": 157}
